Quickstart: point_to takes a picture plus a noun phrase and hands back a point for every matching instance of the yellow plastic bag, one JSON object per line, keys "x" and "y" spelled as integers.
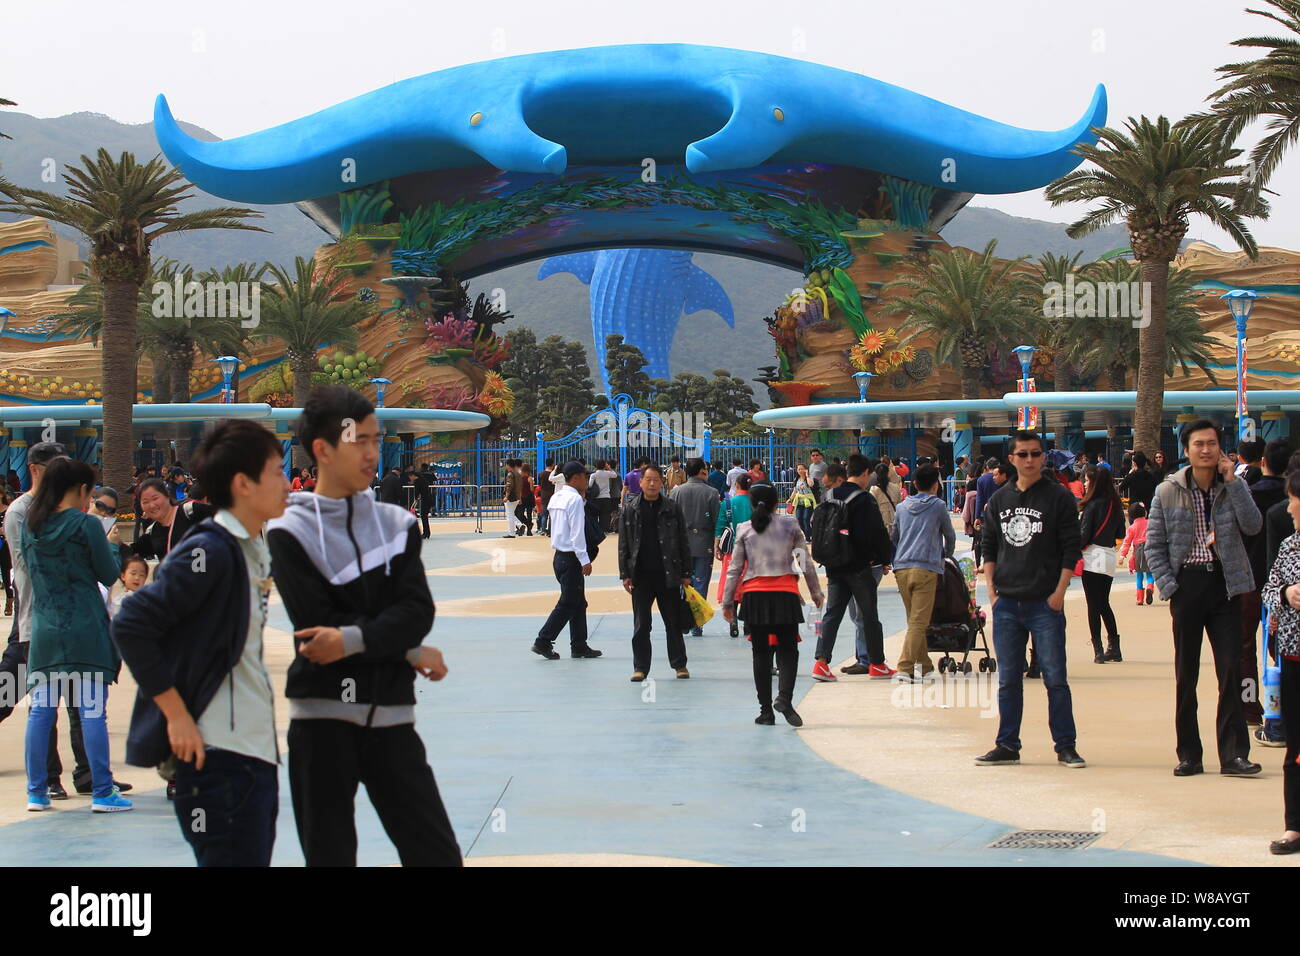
{"x": 701, "y": 610}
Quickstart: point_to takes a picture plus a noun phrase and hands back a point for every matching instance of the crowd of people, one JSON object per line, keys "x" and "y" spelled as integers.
{"x": 1216, "y": 538}
{"x": 348, "y": 569}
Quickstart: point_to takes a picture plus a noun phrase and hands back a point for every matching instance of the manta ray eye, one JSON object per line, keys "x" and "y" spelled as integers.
{"x": 779, "y": 114}
{"x": 476, "y": 119}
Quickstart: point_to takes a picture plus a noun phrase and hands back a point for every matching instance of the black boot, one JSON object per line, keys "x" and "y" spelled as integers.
{"x": 1112, "y": 649}
{"x": 1099, "y": 656}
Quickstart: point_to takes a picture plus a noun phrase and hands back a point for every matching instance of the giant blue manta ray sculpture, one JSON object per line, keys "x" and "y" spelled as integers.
{"x": 721, "y": 109}
{"x": 640, "y": 294}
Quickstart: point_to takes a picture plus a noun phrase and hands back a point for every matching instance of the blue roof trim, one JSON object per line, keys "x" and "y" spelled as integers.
{"x": 722, "y": 109}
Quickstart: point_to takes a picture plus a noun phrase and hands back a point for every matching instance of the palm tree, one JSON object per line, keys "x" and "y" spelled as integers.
{"x": 1047, "y": 269}
{"x": 121, "y": 207}
{"x": 1111, "y": 344}
{"x": 1154, "y": 176}
{"x": 306, "y": 310}
{"x": 969, "y": 301}
{"x": 1265, "y": 87}
{"x": 83, "y": 318}
{"x": 234, "y": 338}
{"x": 5, "y": 102}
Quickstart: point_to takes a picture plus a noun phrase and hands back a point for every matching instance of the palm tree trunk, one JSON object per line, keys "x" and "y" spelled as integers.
{"x": 970, "y": 382}
{"x": 118, "y": 372}
{"x": 1064, "y": 374}
{"x": 181, "y": 358}
{"x": 303, "y": 365}
{"x": 1116, "y": 376}
{"x": 162, "y": 378}
{"x": 1152, "y": 361}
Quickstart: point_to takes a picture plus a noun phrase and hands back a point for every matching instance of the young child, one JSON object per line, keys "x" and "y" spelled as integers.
{"x": 1136, "y": 540}
{"x": 135, "y": 573}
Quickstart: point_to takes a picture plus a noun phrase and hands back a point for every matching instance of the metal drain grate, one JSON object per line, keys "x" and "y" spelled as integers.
{"x": 1044, "y": 840}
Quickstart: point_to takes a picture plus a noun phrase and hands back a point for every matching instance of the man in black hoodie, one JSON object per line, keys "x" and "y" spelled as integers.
{"x": 1031, "y": 545}
{"x": 349, "y": 570}
{"x": 854, "y": 579}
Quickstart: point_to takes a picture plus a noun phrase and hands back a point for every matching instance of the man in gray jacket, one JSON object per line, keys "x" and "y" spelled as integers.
{"x": 699, "y": 502}
{"x": 923, "y": 537}
{"x": 1195, "y": 551}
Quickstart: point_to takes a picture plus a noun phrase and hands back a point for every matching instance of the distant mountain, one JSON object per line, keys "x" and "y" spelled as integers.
{"x": 974, "y": 226}
{"x": 559, "y": 305}
{"x": 64, "y": 139}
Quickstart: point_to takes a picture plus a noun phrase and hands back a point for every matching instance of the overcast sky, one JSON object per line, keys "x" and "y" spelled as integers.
{"x": 238, "y": 66}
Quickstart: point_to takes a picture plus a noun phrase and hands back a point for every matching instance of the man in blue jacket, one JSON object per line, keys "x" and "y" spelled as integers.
{"x": 923, "y": 537}
{"x": 193, "y": 641}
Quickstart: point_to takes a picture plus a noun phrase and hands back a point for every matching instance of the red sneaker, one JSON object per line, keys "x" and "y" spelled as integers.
{"x": 881, "y": 672}
{"x": 822, "y": 672}
{"x": 1141, "y": 596}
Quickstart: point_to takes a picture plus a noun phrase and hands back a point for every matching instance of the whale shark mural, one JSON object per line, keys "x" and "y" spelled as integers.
{"x": 641, "y": 294}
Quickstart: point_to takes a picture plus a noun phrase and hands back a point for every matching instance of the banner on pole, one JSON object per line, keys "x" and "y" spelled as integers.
{"x": 1032, "y": 423}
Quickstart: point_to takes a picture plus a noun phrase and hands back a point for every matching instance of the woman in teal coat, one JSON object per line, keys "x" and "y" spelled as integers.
{"x": 71, "y": 654}
{"x": 735, "y": 511}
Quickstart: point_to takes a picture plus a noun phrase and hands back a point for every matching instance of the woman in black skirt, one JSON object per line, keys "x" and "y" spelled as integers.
{"x": 770, "y": 551}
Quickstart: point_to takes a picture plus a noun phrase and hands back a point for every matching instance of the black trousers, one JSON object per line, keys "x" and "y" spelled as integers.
{"x": 647, "y": 590}
{"x": 1096, "y": 591}
{"x": 426, "y": 505}
{"x": 1251, "y": 608}
{"x": 1291, "y": 725}
{"x": 13, "y": 665}
{"x": 605, "y": 508}
{"x": 328, "y": 758}
{"x": 1201, "y": 605}
{"x": 786, "y": 652}
{"x": 571, "y": 608}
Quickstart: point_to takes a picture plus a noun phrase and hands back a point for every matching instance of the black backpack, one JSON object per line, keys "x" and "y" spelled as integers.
{"x": 832, "y": 546}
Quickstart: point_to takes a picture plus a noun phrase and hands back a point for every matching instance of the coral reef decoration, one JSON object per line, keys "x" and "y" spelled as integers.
{"x": 353, "y": 370}
{"x": 433, "y": 236}
{"x": 920, "y": 365}
{"x": 783, "y": 327}
{"x": 449, "y": 332}
{"x": 491, "y": 352}
{"x": 849, "y": 301}
{"x": 878, "y": 352}
{"x": 899, "y": 380}
{"x": 455, "y": 397}
{"x": 796, "y": 393}
{"x": 367, "y": 295}
{"x": 495, "y": 397}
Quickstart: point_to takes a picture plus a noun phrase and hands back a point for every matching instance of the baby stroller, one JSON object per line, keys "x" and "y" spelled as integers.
{"x": 957, "y": 624}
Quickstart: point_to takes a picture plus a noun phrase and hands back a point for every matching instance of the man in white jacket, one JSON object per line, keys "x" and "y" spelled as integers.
{"x": 572, "y": 563}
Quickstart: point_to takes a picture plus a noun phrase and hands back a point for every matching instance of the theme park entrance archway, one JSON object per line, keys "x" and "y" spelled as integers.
{"x": 445, "y": 177}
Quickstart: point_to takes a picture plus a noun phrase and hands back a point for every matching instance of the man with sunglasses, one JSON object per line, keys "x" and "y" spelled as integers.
{"x": 1031, "y": 544}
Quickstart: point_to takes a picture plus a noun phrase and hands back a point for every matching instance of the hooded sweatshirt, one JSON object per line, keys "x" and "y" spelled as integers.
{"x": 923, "y": 535}
{"x": 1031, "y": 536}
{"x": 65, "y": 560}
{"x": 353, "y": 563}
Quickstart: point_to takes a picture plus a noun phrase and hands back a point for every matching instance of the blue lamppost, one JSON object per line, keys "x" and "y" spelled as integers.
{"x": 227, "y": 364}
{"x": 1026, "y": 355}
{"x": 864, "y": 381}
{"x": 1241, "y": 302}
{"x": 381, "y": 389}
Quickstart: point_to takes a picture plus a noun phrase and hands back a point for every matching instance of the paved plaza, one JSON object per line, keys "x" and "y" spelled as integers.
{"x": 567, "y": 762}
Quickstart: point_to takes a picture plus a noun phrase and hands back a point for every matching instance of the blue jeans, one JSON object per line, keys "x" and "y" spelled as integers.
{"x": 1013, "y": 622}
{"x": 701, "y": 574}
{"x": 90, "y": 697}
{"x": 237, "y": 799}
{"x": 803, "y": 514}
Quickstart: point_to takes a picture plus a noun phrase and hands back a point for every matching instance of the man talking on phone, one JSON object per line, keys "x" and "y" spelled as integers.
{"x": 1198, "y": 558}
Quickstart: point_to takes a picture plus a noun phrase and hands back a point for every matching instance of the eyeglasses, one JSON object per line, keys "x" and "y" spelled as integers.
{"x": 107, "y": 509}
{"x": 1028, "y": 454}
